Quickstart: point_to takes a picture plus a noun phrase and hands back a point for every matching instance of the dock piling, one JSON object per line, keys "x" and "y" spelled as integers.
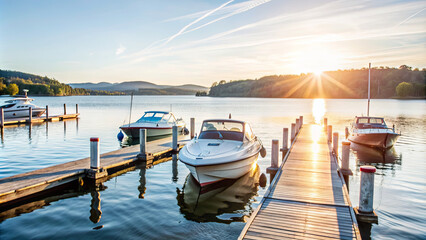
{"x": 329, "y": 133}
{"x": 297, "y": 125}
{"x": 175, "y": 139}
{"x": 293, "y": 131}
{"x": 274, "y": 157}
{"x": 301, "y": 121}
{"x": 142, "y": 140}
{"x": 346, "y": 132}
{"x": 47, "y": 113}
{"x": 30, "y": 115}
{"x": 95, "y": 172}
{"x": 1, "y": 117}
{"x": 95, "y": 160}
{"x": 365, "y": 211}
{"x": 345, "y": 158}
{"x": 285, "y": 140}
{"x": 325, "y": 124}
{"x": 143, "y": 155}
{"x": 65, "y": 109}
{"x": 192, "y": 128}
{"x": 76, "y": 108}
{"x": 336, "y": 143}
{"x": 230, "y": 116}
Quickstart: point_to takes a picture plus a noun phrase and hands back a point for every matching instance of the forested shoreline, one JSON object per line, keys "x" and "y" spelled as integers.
{"x": 14, "y": 82}
{"x": 402, "y": 82}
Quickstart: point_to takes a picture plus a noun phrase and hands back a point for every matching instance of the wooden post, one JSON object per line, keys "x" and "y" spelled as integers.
{"x": 293, "y": 131}
{"x": 95, "y": 160}
{"x": 365, "y": 211}
{"x": 142, "y": 141}
{"x": 65, "y": 109}
{"x": 30, "y": 115}
{"x": 285, "y": 139}
{"x": 301, "y": 121}
{"x": 329, "y": 133}
{"x": 336, "y": 143}
{"x": 297, "y": 125}
{"x": 274, "y": 154}
{"x": 325, "y": 124}
{"x": 1, "y": 117}
{"x": 175, "y": 138}
{"x": 76, "y": 108}
{"x": 230, "y": 116}
{"x": 346, "y": 132}
{"x": 345, "y": 155}
{"x": 366, "y": 192}
{"x": 47, "y": 113}
{"x": 192, "y": 128}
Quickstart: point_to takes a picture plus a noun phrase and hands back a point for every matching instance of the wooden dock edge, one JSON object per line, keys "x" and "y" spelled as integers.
{"x": 268, "y": 191}
{"x": 345, "y": 191}
{"x": 25, "y": 194}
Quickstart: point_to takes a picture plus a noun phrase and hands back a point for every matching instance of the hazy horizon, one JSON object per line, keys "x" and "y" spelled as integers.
{"x": 200, "y": 42}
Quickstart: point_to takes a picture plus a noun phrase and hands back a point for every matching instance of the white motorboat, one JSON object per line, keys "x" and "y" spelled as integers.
{"x": 225, "y": 149}
{"x": 373, "y": 132}
{"x": 19, "y": 107}
{"x": 157, "y": 123}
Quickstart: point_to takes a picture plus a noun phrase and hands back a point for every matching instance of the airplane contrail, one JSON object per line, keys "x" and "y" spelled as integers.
{"x": 405, "y": 20}
{"x": 195, "y": 21}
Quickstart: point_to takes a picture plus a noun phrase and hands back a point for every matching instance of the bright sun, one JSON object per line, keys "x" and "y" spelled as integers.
{"x": 316, "y": 59}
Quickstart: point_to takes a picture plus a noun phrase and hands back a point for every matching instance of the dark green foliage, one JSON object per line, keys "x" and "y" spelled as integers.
{"x": 404, "y": 89}
{"x": 201, "y": 93}
{"x": 38, "y": 85}
{"x": 333, "y": 84}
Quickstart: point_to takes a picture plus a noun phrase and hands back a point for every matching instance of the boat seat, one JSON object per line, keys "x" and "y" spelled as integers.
{"x": 235, "y": 129}
{"x": 211, "y": 128}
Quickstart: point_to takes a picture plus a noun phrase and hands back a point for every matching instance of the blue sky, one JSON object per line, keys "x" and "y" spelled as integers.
{"x": 199, "y": 42}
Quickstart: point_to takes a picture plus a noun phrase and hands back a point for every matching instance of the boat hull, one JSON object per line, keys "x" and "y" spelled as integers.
{"x": 36, "y": 112}
{"x": 209, "y": 174}
{"x": 133, "y": 132}
{"x": 377, "y": 140}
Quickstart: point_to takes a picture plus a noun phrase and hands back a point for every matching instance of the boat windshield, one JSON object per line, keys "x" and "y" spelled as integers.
{"x": 226, "y": 130}
{"x": 153, "y": 117}
{"x": 370, "y": 122}
{"x": 7, "y": 105}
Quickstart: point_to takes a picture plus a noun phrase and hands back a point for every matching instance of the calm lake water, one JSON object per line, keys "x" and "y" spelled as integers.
{"x": 161, "y": 202}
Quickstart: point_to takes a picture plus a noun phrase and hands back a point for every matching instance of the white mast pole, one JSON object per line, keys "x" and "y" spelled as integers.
{"x": 368, "y": 108}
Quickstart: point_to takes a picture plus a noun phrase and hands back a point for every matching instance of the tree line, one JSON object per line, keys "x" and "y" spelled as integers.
{"x": 13, "y": 82}
{"x": 385, "y": 83}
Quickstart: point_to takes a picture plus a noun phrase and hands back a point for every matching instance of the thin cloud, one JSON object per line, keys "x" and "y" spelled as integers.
{"x": 120, "y": 50}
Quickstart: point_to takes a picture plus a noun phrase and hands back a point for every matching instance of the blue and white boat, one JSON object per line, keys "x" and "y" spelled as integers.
{"x": 157, "y": 123}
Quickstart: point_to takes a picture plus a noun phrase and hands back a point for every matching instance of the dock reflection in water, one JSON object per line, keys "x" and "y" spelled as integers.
{"x": 224, "y": 202}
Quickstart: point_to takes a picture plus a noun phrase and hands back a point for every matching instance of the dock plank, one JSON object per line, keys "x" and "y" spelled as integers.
{"x": 308, "y": 199}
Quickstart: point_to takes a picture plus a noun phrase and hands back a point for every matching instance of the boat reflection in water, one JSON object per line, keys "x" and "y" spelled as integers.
{"x": 226, "y": 201}
{"x": 379, "y": 158}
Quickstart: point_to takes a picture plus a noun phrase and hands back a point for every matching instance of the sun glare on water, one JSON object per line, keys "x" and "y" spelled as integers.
{"x": 318, "y": 110}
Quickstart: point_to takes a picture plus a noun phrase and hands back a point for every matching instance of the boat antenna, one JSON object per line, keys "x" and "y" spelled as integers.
{"x": 131, "y": 105}
{"x": 368, "y": 106}
{"x": 171, "y": 108}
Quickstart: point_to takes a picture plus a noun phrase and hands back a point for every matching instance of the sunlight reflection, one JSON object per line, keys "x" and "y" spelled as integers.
{"x": 318, "y": 110}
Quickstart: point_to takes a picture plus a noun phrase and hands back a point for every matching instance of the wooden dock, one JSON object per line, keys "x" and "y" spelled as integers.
{"x": 24, "y": 186}
{"x": 308, "y": 198}
{"x": 26, "y": 120}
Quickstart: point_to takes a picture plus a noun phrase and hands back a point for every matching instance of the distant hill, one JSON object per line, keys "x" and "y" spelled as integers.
{"x": 136, "y": 85}
{"x": 38, "y": 85}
